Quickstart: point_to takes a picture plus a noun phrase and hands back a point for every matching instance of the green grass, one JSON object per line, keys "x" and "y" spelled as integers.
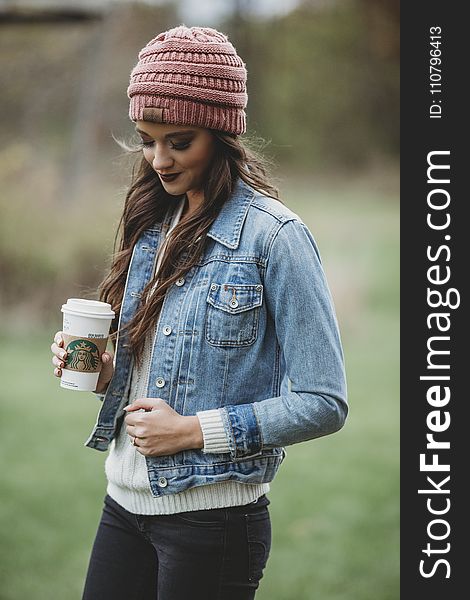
{"x": 334, "y": 503}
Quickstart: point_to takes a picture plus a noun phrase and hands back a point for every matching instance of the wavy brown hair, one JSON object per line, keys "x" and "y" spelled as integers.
{"x": 146, "y": 204}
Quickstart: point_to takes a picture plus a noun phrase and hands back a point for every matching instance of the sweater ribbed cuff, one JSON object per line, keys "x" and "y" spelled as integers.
{"x": 213, "y": 431}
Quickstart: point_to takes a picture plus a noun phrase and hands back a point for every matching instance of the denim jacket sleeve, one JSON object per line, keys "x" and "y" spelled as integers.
{"x": 299, "y": 302}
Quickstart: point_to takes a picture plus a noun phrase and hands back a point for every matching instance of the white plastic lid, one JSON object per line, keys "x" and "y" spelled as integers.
{"x": 89, "y": 308}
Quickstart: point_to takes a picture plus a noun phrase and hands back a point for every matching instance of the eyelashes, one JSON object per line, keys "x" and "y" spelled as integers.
{"x": 179, "y": 146}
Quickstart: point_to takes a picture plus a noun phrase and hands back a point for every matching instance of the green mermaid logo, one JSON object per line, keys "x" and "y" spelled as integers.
{"x": 82, "y": 355}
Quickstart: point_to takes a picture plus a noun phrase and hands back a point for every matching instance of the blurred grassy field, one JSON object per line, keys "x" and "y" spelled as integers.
{"x": 334, "y": 503}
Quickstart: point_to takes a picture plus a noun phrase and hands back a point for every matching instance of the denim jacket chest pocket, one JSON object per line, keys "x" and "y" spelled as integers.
{"x": 232, "y": 314}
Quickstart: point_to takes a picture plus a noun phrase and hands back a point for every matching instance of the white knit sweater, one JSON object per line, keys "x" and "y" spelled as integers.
{"x": 126, "y": 468}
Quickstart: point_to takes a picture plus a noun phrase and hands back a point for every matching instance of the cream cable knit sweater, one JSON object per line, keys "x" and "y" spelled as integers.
{"x": 126, "y": 468}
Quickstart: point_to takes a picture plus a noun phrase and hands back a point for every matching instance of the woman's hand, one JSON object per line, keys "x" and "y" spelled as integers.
{"x": 159, "y": 430}
{"x": 60, "y": 356}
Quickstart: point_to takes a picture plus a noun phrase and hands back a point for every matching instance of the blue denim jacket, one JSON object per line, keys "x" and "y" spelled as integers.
{"x": 250, "y": 329}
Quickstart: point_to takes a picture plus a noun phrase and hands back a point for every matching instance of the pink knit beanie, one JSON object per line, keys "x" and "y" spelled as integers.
{"x": 190, "y": 76}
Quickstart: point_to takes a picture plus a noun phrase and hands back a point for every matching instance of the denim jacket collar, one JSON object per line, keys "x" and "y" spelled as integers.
{"x": 228, "y": 224}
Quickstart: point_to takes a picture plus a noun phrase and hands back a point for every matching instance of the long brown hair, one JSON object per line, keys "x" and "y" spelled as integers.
{"x": 146, "y": 204}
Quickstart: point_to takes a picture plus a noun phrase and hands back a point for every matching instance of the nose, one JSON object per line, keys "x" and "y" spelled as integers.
{"x": 161, "y": 158}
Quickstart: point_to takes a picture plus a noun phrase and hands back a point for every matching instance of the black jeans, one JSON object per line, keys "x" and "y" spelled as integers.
{"x": 216, "y": 554}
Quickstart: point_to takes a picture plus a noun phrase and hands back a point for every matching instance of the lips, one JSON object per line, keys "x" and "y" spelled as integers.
{"x": 169, "y": 177}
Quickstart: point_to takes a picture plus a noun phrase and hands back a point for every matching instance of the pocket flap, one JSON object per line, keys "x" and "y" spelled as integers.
{"x": 235, "y": 297}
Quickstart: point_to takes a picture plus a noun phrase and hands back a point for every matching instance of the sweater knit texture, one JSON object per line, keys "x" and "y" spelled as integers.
{"x": 126, "y": 468}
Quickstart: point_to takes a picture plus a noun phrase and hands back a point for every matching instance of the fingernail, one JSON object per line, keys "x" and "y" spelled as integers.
{"x": 63, "y": 355}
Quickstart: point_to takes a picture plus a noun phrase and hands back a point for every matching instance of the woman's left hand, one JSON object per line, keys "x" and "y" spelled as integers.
{"x": 160, "y": 430}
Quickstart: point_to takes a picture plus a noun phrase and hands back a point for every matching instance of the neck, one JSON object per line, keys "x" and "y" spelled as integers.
{"x": 192, "y": 203}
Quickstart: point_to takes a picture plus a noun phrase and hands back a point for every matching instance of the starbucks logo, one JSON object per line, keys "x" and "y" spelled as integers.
{"x": 83, "y": 355}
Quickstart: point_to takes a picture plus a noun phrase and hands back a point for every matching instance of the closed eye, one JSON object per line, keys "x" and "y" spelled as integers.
{"x": 180, "y": 146}
{"x": 173, "y": 146}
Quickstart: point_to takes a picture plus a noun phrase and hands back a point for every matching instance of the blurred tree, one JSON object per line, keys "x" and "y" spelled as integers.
{"x": 66, "y": 87}
{"x": 318, "y": 88}
{"x": 383, "y": 27}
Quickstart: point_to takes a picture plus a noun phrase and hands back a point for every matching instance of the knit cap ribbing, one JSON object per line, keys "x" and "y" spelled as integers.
{"x": 190, "y": 76}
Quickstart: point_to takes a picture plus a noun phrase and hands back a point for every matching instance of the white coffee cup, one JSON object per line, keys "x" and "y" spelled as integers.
{"x": 85, "y": 332}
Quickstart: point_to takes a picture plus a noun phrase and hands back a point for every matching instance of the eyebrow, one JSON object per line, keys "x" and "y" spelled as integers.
{"x": 171, "y": 134}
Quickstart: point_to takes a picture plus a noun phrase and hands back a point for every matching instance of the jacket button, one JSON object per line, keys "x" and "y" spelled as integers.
{"x": 167, "y": 330}
{"x": 213, "y": 287}
{"x": 180, "y": 281}
{"x": 160, "y": 382}
{"x": 162, "y": 482}
{"x": 259, "y": 288}
{"x": 233, "y": 303}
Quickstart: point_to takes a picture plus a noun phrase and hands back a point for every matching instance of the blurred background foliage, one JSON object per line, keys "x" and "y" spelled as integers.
{"x": 323, "y": 93}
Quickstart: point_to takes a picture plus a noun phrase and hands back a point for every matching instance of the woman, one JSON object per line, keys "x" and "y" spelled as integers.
{"x": 227, "y": 347}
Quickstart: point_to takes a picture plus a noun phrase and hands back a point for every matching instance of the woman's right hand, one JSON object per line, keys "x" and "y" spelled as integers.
{"x": 59, "y": 357}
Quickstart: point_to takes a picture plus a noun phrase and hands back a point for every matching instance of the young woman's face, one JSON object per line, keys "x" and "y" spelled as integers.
{"x": 180, "y": 154}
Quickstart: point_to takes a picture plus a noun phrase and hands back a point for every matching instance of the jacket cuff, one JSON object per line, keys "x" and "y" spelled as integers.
{"x": 213, "y": 431}
{"x": 243, "y": 430}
